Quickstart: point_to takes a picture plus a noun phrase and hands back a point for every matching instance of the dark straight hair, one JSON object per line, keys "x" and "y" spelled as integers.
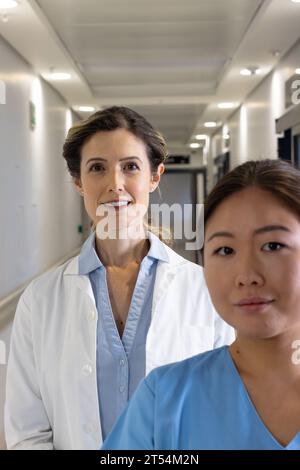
{"x": 278, "y": 177}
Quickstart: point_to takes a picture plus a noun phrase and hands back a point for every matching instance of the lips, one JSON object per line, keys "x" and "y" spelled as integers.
{"x": 254, "y": 305}
{"x": 254, "y": 301}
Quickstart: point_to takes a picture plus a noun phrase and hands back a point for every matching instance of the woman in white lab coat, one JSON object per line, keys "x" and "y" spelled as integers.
{"x": 86, "y": 333}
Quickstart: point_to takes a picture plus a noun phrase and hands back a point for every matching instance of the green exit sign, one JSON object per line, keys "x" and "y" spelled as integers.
{"x": 32, "y": 115}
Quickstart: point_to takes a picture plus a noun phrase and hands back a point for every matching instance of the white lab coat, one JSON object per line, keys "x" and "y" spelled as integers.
{"x": 51, "y": 391}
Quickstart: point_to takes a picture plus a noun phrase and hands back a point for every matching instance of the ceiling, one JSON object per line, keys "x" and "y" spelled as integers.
{"x": 170, "y": 60}
{"x": 136, "y": 49}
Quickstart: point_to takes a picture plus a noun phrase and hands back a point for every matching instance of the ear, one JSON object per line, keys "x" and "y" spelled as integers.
{"x": 156, "y": 177}
{"x": 78, "y": 185}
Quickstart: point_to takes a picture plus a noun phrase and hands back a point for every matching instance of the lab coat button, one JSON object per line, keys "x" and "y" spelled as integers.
{"x": 122, "y": 362}
{"x": 87, "y": 369}
{"x": 122, "y": 388}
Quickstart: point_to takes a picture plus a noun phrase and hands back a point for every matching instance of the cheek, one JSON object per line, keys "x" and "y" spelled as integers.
{"x": 218, "y": 284}
{"x": 140, "y": 188}
{"x": 288, "y": 279}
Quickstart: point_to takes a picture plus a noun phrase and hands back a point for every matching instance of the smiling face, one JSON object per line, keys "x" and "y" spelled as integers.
{"x": 116, "y": 177}
{"x": 252, "y": 263}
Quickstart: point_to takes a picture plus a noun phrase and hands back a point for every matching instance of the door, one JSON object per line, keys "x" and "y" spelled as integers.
{"x": 177, "y": 187}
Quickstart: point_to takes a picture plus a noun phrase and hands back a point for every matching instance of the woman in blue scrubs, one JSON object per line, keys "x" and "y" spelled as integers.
{"x": 247, "y": 395}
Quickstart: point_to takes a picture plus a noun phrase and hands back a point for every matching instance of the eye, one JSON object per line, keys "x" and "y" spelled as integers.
{"x": 223, "y": 251}
{"x": 97, "y": 167}
{"x": 132, "y": 166}
{"x": 273, "y": 246}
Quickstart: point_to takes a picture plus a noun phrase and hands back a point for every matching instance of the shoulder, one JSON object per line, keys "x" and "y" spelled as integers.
{"x": 180, "y": 374}
{"x": 51, "y": 279}
{"x": 173, "y": 259}
{"x": 178, "y": 261}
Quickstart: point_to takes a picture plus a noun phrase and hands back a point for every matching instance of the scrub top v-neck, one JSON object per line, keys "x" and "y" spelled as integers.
{"x": 199, "y": 403}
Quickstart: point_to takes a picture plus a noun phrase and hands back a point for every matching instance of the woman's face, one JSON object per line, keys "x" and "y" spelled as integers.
{"x": 252, "y": 263}
{"x": 116, "y": 178}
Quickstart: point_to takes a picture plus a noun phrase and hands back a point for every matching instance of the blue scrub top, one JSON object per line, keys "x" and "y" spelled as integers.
{"x": 199, "y": 403}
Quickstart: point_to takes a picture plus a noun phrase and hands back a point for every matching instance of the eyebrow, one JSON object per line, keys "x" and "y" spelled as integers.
{"x": 99, "y": 159}
{"x": 265, "y": 229}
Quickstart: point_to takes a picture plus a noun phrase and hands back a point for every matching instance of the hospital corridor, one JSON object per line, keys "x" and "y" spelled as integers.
{"x": 149, "y": 222}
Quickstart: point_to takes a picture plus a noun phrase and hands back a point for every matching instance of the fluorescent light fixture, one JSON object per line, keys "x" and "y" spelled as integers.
{"x": 226, "y": 105}
{"x": 245, "y": 72}
{"x": 250, "y": 71}
{"x": 210, "y": 124}
{"x": 201, "y": 136}
{"x": 59, "y": 76}
{"x": 295, "y": 1}
{"x": 86, "y": 109}
{"x": 297, "y": 71}
{"x": 194, "y": 145}
{"x": 7, "y": 4}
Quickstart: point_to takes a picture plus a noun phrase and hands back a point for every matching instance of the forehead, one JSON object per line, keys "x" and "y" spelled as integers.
{"x": 118, "y": 143}
{"x": 248, "y": 210}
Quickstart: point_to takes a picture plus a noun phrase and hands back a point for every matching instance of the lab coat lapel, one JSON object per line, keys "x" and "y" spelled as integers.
{"x": 82, "y": 282}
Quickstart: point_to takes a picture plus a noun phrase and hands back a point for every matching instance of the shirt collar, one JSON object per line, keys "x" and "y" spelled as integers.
{"x": 157, "y": 248}
{"x": 89, "y": 260}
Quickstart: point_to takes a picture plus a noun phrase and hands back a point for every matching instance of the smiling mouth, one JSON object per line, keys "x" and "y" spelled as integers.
{"x": 117, "y": 203}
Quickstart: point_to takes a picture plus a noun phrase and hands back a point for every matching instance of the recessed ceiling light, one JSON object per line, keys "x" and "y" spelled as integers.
{"x": 194, "y": 145}
{"x": 297, "y": 71}
{"x": 245, "y": 72}
{"x": 250, "y": 71}
{"x": 295, "y": 1}
{"x": 201, "y": 136}
{"x": 7, "y": 4}
{"x": 59, "y": 76}
{"x": 86, "y": 109}
{"x": 226, "y": 105}
{"x": 210, "y": 124}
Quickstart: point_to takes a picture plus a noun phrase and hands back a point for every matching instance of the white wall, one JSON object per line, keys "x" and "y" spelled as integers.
{"x": 252, "y": 127}
{"x": 39, "y": 208}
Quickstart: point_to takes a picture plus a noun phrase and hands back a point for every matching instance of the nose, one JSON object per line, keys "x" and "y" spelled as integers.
{"x": 249, "y": 273}
{"x": 115, "y": 181}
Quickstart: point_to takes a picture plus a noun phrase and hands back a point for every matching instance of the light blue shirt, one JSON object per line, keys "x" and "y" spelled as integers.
{"x": 198, "y": 404}
{"x": 120, "y": 361}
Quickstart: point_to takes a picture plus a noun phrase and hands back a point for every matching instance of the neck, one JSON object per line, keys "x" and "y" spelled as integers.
{"x": 268, "y": 357}
{"x": 121, "y": 252}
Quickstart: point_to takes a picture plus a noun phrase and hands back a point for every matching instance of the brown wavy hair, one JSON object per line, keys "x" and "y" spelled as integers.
{"x": 110, "y": 119}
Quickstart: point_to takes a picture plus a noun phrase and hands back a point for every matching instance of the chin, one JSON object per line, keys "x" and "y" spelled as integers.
{"x": 257, "y": 334}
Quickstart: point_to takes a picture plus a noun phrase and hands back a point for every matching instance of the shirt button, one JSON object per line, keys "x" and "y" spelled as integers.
{"x": 122, "y": 388}
{"x": 87, "y": 370}
{"x": 122, "y": 362}
{"x": 92, "y": 315}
